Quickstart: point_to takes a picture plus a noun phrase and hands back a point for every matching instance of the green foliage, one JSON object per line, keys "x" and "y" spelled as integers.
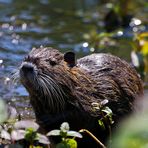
{"x": 14, "y": 131}
{"x": 69, "y": 143}
{"x": 132, "y": 133}
{"x": 62, "y": 145}
{"x": 106, "y": 114}
{"x": 72, "y": 143}
{"x": 65, "y": 133}
{"x": 139, "y": 55}
{"x": 30, "y": 135}
{"x": 97, "y": 41}
{"x": 101, "y": 123}
{"x": 18, "y": 131}
{"x": 105, "y": 120}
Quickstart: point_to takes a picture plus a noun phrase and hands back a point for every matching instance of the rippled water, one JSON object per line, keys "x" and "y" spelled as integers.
{"x": 31, "y": 23}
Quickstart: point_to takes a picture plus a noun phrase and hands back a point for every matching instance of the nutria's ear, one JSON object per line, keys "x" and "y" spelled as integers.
{"x": 69, "y": 57}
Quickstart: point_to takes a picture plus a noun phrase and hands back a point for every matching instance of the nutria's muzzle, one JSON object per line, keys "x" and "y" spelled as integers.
{"x": 27, "y": 73}
{"x": 27, "y": 67}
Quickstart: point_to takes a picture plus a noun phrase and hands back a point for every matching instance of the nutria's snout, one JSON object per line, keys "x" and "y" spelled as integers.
{"x": 27, "y": 67}
{"x": 27, "y": 72}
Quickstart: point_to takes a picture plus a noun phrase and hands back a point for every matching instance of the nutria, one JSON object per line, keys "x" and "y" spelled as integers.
{"x": 62, "y": 90}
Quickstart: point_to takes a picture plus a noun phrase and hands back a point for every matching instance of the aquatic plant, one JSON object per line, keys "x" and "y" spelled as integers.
{"x": 65, "y": 133}
{"x": 13, "y": 131}
{"x": 20, "y": 133}
{"x": 139, "y": 54}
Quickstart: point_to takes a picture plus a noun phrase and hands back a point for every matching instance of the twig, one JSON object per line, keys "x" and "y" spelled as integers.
{"x": 90, "y": 134}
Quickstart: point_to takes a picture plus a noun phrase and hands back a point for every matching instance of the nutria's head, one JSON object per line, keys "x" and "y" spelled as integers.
{"x": 38, "y": 65}
{"x": 53, "y": 81}
{"x": 48, "y": 76}
{"x": 38, "y": 73}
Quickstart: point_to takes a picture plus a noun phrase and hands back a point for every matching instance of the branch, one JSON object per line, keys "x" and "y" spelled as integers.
{"x": 90, "y": 134}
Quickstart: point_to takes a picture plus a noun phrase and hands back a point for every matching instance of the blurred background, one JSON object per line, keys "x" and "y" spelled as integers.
{"x": 119, "y": 27}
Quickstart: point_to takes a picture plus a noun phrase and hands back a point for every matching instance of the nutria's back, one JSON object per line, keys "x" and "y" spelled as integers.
{"x": 61, "y": 90}
{"x": 116, "y": 80}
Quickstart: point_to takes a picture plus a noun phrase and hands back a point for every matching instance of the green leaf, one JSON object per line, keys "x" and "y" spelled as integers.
{"x": 18, "y": 134}
{"x": 43, "y": 139}
{"x": 54, "y": 133}
{"x": 107, "y": 110}
{"x": 4, "y": 134}
{"x": 26, "y": 124}
{"x": 62, "y": 145}
{"x": 101, "y": 123}
{"x": 30, "y": 135}
{"x": 72, "y": 143}
{"x": 96, "y": 106}
{"x": 64, "y": 127}
{"x": 74, "y": 134}
{"x": 104, "y": 102}
{"x": 137, "y": 60}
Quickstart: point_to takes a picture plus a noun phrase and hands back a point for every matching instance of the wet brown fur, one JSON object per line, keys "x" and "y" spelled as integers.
{"x": 87, "y": 82}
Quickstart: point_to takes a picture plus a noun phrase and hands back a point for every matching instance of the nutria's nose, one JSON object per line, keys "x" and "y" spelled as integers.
{"x": 27, "y": 68}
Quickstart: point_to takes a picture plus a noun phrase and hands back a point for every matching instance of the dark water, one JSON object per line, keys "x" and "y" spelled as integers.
{"x": 60, "y": 24}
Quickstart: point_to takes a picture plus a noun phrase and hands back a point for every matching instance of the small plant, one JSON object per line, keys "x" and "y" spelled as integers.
{"x": 106, "y": 116}
{"x": 106, "y": 113}
{"x": 24, "y": 132}
{"x": 14, "y": 132}
{"x": 65, "y": 133}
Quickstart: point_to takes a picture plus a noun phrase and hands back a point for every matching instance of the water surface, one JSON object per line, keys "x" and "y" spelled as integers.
{"x": 27, "y": 24}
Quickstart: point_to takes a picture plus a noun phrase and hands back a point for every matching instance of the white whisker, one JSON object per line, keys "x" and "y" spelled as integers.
{"x": 15, "y": 76}
{"x": 49, "y": 90}
{"x": 52, "y": 90}
{"x": 46, "y": 93}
